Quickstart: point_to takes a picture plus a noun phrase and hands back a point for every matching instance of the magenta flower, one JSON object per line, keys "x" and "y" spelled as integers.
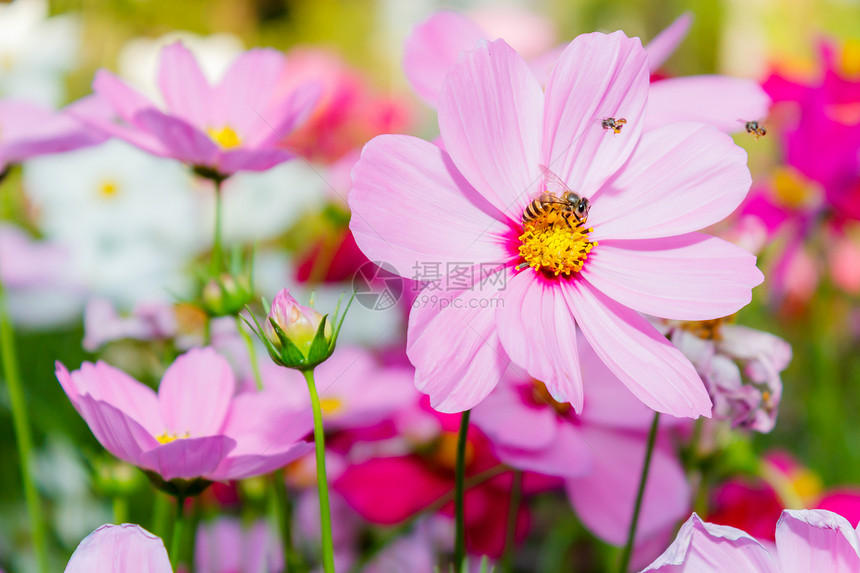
{"x": 529, "y": 431}
{"x": 194, "y": 427}
{"x": 434, "y": 45}
{"x": 119, "y": 548}
{"x": 537, "y": 288}
{"x": 232, "y": 126}
{"x": 806, "y": 540}
{"x": 29, "y": 130}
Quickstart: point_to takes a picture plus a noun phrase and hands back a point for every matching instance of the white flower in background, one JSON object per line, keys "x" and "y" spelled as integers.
{"x": 36, "y": 51}
{"x": 130, "y": 221}
{"x": 138, "y": 58}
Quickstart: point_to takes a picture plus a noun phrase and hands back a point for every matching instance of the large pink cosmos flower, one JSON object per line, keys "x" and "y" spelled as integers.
{"x": 194, "y": 427}
{"x": 529, "y": 431}
{"x": 461, "y": 209}
{"x": 806, "y": 540}
{"x": 232, "y": 126}
{"x": 435, "y": 44}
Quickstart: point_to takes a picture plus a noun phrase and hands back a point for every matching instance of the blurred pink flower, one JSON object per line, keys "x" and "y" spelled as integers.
{"x": 28, "y": 263}
{"x": 740, "y": 366}
{"x": 530, "y": 431}
{"x": 349, "y": 111}
{"x": 435, "y": 44}
{"x": 225, "y": 546}
{"x": 806, "y": 540}
{"x": 194, "y": 427}
{"x": 235, "y": 125}
{"x": 415, "y": 205}
{"x": 118, "y": 549}
{"x": 30, "y": 130}
{"x": 147, "y": 321}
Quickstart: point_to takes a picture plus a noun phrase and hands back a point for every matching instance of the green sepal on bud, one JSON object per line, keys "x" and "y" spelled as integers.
{"x": 297, "y": 336}
{"x": 227, "y": 292}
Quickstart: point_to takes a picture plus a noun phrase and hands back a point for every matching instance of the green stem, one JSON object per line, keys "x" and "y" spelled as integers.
{"x": 178, "y": 533}
{"x": 511, "y": 532}
{"x": 631, "y": 534}
{"x": 215, "y": 263}
{"x": 322, "y": 482}
{"x": 252, "y": 353}
{"x": 284, "y": 512}
{"x": 160, "y": 514}
{"x": 22, "y": 433}
{"x": 120, "y": 509}
{"x": 460, "y": 527}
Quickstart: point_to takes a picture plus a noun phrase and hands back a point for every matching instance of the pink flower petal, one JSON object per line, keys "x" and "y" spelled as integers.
{"x": 682, "y": 177}
{"x": 689, "y": 277}
{"x": 604, "y": 497}
{"x": 113, "y": 386}
{"x": 538, "y": 332}
{"x": 244, "y": 466}
{"x": 182, "y": 140}
{"x": 247, "y": 88}
{"x": 648, "y": 364}
{"x": 282, "y": 116}
{"x": 702, "y": 547}
{"x": 188, "y": 458}
{"x": 261, "y": 421}
{"x": 460, "y": 373}
{"x": 183, "y": 85}
{"x": 229, "y": 162}
{"x": 118, "y": 433}
{"x": 432, "y": 49}
{"x": 116, "y": 548}
{"x": 661, "y": 47}
{"x": 535, "y": 426}
{"x": 127, "y": 101}
{"x": 597, "y": 76}
{"x": 195, "y": 393}
{"x": 718, "y": 100}
{"x": 490, "y": 119}
{"x": 375, "y": 488}
{"x": 568, "y": 455}
{"x": 439, "y": 216}
{"x": 816, "y": 540}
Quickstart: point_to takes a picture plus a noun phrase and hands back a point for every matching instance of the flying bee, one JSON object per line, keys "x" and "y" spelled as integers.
{"x": 556, "y": 192}
{"x": 614, "y": 124}
{"x": 754, "y": 128}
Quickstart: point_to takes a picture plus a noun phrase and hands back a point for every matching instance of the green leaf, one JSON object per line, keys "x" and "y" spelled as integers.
{"x": 320, "y": 349}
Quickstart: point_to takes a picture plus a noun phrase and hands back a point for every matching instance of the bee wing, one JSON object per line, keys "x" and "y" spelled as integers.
{"x": 553, "y": 183}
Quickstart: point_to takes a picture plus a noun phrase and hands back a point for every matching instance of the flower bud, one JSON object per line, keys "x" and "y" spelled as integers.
{"x": 297, "y": 336}
{"x": 226, "y": 295}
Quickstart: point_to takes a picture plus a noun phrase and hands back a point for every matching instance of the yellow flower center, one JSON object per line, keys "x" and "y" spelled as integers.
{"x": 793, "y": 190}
{"x": 108, "y": 189}
{"x": 707, "y": 329}
{"x": 445, "y": 452}
{"x": 541, "y": 395}
{"x": 549, "y": 244}
{"x": 850, "y": 61}
{"x": 226, "y": 137}
{"x": 166, "y": 437}
{"x": 331, "y": 405}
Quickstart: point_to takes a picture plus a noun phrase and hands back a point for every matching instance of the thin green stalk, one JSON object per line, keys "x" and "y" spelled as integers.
{"x": 322, "y": 482}
{"x": 160, "y": 514}
{"x": 178, "y": 533}
{"x": 120, "y": 509}
{"x": 284, "y": 511}
{"x": 215, "y": 263}
{"x": 22, "y": 434}
{"x": 460, "y": 527}
{"x": 252, "y": 352}
{"x": 631, "y": 534}
{"x": 511, "y": 532}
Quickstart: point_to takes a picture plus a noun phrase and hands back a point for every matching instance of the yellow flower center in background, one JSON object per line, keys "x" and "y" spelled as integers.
{"x": 549, "y": 244}
{"x": 108, "y": 189}
{"x": 226, "y": 137}
{"x": 850, "y": 61}
{"x": 793, "y": 190}
{"x": 541, "y": 395}
{"x": 706, "y": 329}
{"x": 166, "y": 438}
{"x": 331, "y": 405}
{"x": 445, "y": 452}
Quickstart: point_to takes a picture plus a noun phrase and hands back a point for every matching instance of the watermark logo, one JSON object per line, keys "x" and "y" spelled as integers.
{"x": 377, "y": 285}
